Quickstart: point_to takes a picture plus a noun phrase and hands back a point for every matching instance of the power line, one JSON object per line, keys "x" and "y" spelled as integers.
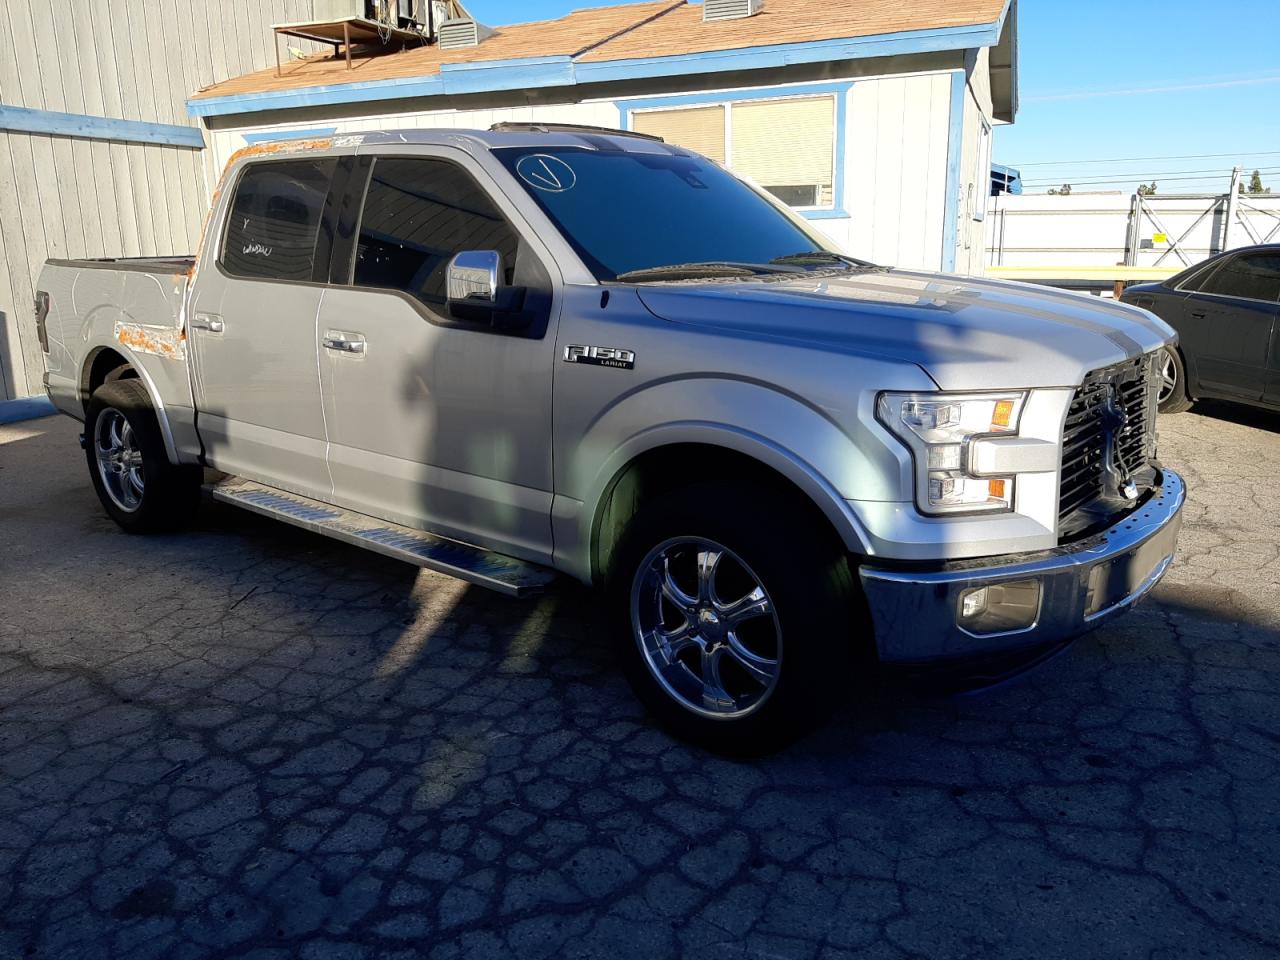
{"x": 1272, "y": 171}
{"x": 1186, "y": 156}
{"x": 1162, "y": 173}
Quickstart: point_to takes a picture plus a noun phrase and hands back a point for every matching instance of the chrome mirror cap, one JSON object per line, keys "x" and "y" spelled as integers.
{"x": 474, "y": 275}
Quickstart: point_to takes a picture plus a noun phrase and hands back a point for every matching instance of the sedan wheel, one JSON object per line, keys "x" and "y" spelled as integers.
{"x": 1172, "y": 395}
{"x": 1169, "y": 380}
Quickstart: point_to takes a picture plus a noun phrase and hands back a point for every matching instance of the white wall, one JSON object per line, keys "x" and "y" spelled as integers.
{"x": 70, "y": 196}
{"x": 974, "y": 185}
{"x": 896, "y": 175}
{"x": 1091, "y": 229}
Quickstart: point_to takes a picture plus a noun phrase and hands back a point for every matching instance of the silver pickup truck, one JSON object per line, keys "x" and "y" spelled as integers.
{"x": 542, "y": 349}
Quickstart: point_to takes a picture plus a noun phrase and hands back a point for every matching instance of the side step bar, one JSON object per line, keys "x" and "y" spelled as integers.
{"x": 516, "y": 578}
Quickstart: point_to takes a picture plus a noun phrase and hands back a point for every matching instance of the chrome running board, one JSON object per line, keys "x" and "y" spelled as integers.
{"x": 516, "y": 578}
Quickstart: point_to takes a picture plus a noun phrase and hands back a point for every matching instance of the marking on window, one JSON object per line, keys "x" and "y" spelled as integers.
{"x": 545, "y": 172}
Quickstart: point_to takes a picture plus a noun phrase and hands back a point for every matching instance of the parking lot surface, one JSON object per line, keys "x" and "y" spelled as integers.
{"x": 249, "y": 741}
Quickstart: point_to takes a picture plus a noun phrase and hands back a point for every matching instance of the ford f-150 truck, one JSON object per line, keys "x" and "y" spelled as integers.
{"x": 540, "y": 349}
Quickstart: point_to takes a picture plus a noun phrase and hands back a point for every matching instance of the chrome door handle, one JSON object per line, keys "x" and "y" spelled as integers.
{"x": 207, "y": 321}
{"x": 344, "y": 342}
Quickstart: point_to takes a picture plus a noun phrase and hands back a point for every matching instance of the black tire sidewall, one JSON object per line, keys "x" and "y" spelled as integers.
{"x": 806, "y": 575}
{"x": 170, "y": 493}
{"x": 1178, "y": 401}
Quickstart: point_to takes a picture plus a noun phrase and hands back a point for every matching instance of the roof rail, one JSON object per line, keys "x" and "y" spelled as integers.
{"x": 516, "y": 127}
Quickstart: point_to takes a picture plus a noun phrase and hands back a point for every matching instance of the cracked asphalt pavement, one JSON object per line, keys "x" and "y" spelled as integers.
{"x": 249, "y": 741}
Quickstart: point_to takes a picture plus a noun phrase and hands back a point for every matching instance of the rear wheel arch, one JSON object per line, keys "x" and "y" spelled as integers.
{"x": 103, "y": 365}
{"x": 107, "y": 364}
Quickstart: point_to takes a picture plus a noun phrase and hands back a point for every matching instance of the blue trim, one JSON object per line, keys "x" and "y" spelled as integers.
{"x": 267, "y": 135}
{"x": 529, "y": 72}
{"x": 29, "y": 408}
{"x": 840, "y": 90}
{"x": 955, "y": 143}
{"x": 89, "y": 127}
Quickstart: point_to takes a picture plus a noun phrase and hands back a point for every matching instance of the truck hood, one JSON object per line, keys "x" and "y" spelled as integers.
{"x": 968, "y": 334}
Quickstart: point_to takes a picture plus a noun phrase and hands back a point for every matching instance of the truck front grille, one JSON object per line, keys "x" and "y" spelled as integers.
{"x": 1111, "y": 421}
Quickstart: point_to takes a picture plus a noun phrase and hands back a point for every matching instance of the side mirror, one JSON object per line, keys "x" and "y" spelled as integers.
{"x": 474, "y": 275}
{"x": 476, "y": 295}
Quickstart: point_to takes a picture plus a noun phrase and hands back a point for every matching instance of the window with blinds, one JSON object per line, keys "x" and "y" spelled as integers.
{"x": 700, "y": 129}
{"x": 786, "y": 145}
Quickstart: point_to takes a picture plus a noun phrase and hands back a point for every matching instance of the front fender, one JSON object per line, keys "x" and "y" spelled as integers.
{"x": 830, "y": 463}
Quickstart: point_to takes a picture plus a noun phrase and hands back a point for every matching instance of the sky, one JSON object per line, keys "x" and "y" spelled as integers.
{"x": 1187, "y": 89}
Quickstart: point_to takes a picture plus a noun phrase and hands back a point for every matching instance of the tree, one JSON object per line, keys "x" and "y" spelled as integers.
{"x": 1065, "y": 191}
{"x": 1147, "y": 191}
{"x": 1255, "y": 183}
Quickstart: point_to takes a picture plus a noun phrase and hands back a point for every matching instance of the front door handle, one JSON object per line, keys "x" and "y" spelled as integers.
{"x": 1198, "y": 314}
{"x": 344, "y": 342}
{"x": 208, "y": 321}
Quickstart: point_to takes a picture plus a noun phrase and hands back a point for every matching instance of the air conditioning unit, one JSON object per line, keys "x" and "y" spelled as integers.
{"x": 454, "y": 34}
{"x": 730, "y": 9}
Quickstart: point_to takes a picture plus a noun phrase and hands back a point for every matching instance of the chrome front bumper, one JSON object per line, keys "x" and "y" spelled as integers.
{"x": 916, "y": 612}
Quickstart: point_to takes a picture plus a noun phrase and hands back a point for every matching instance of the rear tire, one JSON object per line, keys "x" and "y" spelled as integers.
{"x": 131, "y": 473}
{"x": 733, "y": 614}
{"x": 1173, "y": 382}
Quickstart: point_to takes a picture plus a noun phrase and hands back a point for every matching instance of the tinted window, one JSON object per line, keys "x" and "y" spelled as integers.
{"x": 275, "y": 219}
{"x": 1252, "y": 275}
{"x": 417, "y": 214}
{"x": 1193, "y": 279}
{"x": 626, "y": 211}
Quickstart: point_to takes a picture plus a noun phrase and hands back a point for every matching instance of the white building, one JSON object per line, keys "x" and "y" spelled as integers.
{"x": 873, "y": 118}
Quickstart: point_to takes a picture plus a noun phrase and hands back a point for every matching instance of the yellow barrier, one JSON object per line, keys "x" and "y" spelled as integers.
{"x": 1113, "y": 274}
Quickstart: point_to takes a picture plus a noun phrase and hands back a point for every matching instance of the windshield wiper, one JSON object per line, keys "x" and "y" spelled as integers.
{"x": 694, "y": 271}
{"x": 821, "y": 256}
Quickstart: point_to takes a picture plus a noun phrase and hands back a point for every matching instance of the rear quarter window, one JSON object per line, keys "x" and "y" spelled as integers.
{"x": 275, "y": 219}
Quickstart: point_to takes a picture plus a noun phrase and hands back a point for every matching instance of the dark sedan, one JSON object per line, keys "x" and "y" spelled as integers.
{"x": 1227, "y": 313}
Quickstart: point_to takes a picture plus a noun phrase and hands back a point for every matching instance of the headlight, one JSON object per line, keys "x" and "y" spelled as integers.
{"x": 940, "y": 429}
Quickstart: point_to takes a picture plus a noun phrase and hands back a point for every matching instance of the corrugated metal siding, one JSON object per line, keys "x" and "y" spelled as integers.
{"x": 75, "y": 197}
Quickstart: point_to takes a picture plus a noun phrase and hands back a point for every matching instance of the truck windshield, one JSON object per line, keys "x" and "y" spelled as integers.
{"x": 625, "y": 212}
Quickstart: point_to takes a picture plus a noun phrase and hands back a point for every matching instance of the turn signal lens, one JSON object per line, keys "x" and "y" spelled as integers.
{"x": 996, "y": 489}
{"x": 1003, "y": 414}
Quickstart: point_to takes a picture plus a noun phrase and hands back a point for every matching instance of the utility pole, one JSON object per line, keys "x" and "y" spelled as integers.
{"x": 1233, "y": 207}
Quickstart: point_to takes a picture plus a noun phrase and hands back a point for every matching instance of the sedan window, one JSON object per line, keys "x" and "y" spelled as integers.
{"x": 1255, "y": 276}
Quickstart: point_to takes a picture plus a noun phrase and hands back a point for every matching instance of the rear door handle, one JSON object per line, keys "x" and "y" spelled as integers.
{"x": 1198, "y": 314}
{"x": 344, "y": 342}
{"x": 208, "y": 321}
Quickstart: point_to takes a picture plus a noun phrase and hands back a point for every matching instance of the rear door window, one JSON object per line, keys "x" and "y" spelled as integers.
{"x": 1255, "y": 276}
{"x": 276, "y": 218}
{"x": 418, "y": 213}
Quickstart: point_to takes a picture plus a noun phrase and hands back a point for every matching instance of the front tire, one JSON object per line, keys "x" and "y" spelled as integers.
{"x": 1173, "y": 382}
{"x": 131, "y": 473}
{"x": 733, "y": 617}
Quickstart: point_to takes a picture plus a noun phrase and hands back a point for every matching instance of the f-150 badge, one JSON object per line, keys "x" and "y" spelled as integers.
{"x": 600, "y": 356}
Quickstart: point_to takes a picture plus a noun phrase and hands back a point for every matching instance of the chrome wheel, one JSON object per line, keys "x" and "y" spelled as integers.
{"x": 1168, "y": 377}
{"x": 706, "y": 627}
{"x": 119, "y": 459}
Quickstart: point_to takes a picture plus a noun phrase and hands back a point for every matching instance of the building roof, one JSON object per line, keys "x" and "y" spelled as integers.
{"x": 660, "y": 38}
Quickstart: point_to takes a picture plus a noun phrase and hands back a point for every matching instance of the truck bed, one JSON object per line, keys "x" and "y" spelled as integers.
{"x": 171, "y": 264}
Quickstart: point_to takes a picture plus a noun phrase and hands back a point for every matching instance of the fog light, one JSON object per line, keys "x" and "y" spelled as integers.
{"x": 1099, "y": 595}
{"x": 1000, "y": 607}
